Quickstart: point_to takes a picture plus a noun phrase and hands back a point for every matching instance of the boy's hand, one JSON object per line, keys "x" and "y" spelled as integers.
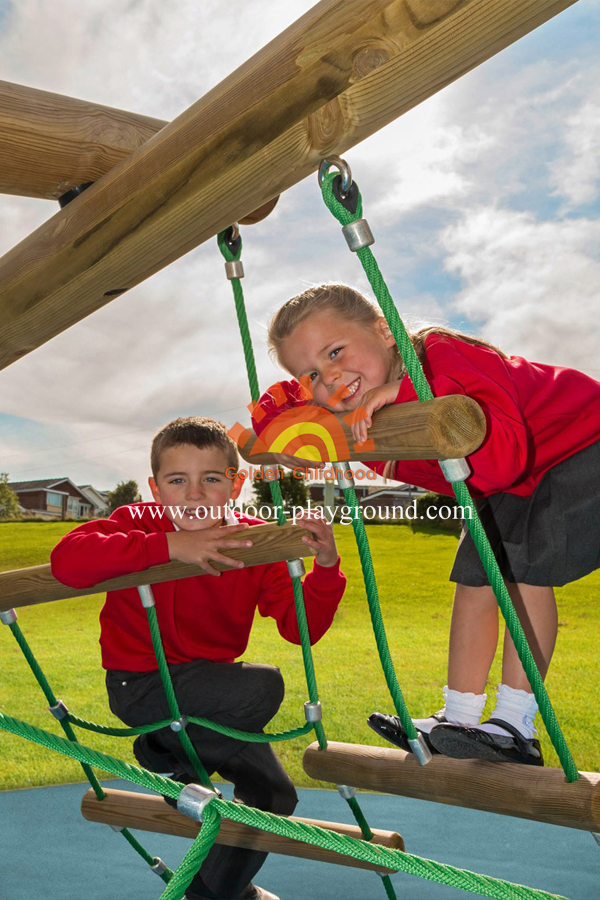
{"x": 198, "y": 547}
{"x": 371, "y": 402}
{"x": 321, "y": 538}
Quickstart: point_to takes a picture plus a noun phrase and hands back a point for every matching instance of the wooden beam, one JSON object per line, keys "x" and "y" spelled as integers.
{"x": 50, "y": 143}
{"x": 340, "y": 73}
{"x": 444, "y": 428}
{"x": 270, "y": 543}
{"x": 148, "y": 812}
{"x": 527, "y": 792}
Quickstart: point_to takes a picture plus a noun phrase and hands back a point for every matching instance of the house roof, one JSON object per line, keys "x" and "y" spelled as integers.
{"x": 36, "y": 485}
{"x": 45, "y": 484}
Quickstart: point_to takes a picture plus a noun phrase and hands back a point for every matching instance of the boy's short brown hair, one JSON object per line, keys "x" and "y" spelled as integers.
{"x": 200, "y": 431}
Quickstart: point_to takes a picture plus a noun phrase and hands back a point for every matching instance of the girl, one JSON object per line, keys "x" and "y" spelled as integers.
{"x": 536, "y": 480}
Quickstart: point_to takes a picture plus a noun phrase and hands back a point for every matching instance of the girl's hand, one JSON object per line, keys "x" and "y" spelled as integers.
{"x": 198, "y": 547}
{"x": 321, "y": 537}
{"x": 373, "y": 400}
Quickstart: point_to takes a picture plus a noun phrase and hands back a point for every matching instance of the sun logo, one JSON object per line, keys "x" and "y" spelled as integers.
{"x": 309, "y": 431}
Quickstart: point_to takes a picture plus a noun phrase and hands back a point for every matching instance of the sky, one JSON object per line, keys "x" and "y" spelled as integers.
{"x": 484, "y": 203}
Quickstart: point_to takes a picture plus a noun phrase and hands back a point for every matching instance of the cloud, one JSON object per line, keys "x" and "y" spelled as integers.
{"x": 530, "y": 286}
{"x": 474, "y": 198}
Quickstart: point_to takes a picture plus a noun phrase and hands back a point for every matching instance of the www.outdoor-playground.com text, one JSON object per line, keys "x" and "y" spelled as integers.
{"x": 342, "y": 514}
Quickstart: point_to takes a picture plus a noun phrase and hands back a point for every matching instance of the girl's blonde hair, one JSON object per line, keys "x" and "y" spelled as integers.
{"x": 349, "y": 303}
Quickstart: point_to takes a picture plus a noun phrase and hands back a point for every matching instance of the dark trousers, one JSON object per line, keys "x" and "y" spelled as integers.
{"x": 241, "y": 695}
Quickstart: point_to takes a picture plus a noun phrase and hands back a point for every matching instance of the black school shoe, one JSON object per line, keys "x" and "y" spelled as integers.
{"x": 390, "y": 728}
{"x": 464, "y": 742}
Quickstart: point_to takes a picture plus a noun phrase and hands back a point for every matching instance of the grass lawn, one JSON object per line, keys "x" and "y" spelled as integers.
{"x": 412, "y": 570}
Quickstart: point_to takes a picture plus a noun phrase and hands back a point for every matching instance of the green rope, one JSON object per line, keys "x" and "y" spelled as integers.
{"x": 66, "y": 726}
{"x": 305, "y": 645}
{"x": 382, "y": 857}
{"x": 381, "y": 641}
{"x": 195, "y": 856}
{"x": 165, "y": 675}
{"x": 423, "y": 390}
{"x": 52, "y": 700}
{"x": 248, "y": 736}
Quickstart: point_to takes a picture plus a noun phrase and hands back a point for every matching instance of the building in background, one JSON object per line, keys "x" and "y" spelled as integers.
{"x": 53, "y": 498}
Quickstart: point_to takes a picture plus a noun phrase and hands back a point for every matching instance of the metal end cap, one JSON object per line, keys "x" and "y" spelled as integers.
{"x": 158, "y": 866}
{"x": 192, "y": 800}
{"x": 455, "y": 469}
{"x": 420, "y": 750}
{"x": 146, "y": 596}
{"x": 117, "y": 828}
{"x": 344, "y": 476}
{"x": 358, "y": 234}
{"x": 346, "y": 791}
{"x": 8, "y": 616}
{"x": 234, "y": 269}
{"x": 179, "y": 724}
{"x": 296, "y": 568}
{"x": 313, "y": 711}
{"x": 59, "y": 711}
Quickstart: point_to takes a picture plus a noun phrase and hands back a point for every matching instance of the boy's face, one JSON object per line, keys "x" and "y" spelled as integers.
{"x": 193, "y": 482}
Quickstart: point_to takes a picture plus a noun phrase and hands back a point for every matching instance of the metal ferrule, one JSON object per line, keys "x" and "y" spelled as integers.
{"x": 146, "y": 596}
{"x": 8, "y": 616}
{"x": 179, "y": 724}
{"x": 358, "y": 234}
{"x": 341, "y": 474}
{"x": 192, "y": 800}
{"x": 59, "y": 711}
{"x": 117, "y": 828}
{"x": 596, "y": 837}
{"x": 455, "y": 469}
{"x": 346, "y": 791}
{"x": 270, "y": 473}
{"x": 234, "y": 269}
{"x": 296, "y": 568}
{"x": 158, "y": 866}
{"x": 420, "y": 750}
{"x": 312, "y": 711}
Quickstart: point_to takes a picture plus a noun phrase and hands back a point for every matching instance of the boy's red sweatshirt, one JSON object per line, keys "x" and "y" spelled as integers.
{"x": 200, "y": 618}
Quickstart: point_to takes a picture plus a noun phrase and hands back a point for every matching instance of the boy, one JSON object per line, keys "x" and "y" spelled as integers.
{"x": 205, "y": 625}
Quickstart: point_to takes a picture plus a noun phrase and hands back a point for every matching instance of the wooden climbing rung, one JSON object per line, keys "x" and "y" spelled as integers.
{"x": 149, "y": 812}
{"x": 270, "y": 543}
{"x": 443, "y": 428}
{"x": 527, "y": 792}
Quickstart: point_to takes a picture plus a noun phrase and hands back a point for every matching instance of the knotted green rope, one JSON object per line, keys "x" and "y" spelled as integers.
{"x": 305, "y": 645}
{"x": 66, "y": 726}
{"x": 382, "y": 857}
{"x": 461, "y": 491}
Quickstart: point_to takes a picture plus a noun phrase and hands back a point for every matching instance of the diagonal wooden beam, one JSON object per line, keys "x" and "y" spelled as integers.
{"x": 50, "y": 143}
{"x": 36, "y": 584}
{"x": 340, "y": 73}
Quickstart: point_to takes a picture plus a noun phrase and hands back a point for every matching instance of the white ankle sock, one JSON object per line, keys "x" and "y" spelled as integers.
{"x": 425, "y": 725}
{"x": 516, "y": 707}
{"x": 463, "y": 708}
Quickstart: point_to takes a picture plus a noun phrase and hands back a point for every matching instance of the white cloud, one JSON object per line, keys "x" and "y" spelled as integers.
{"x": 444, "y": 188}
{"x": 531, "y": 287}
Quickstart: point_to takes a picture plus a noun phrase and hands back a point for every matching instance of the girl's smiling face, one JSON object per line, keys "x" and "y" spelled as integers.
{"x": 332, "y": 351}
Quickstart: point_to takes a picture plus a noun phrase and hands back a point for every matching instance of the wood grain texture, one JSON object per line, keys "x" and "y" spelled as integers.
{"x": 443, "y": 428}
{"x": 271, "y": 543}
{"x": 526, "y": 792}
{"x": 149, "y": 812}
{"x": 263, "y": 129}
{"x": 50, "y": 143}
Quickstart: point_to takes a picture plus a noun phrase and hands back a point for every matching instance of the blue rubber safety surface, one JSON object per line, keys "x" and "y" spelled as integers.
{"x": 49, "y": 852}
